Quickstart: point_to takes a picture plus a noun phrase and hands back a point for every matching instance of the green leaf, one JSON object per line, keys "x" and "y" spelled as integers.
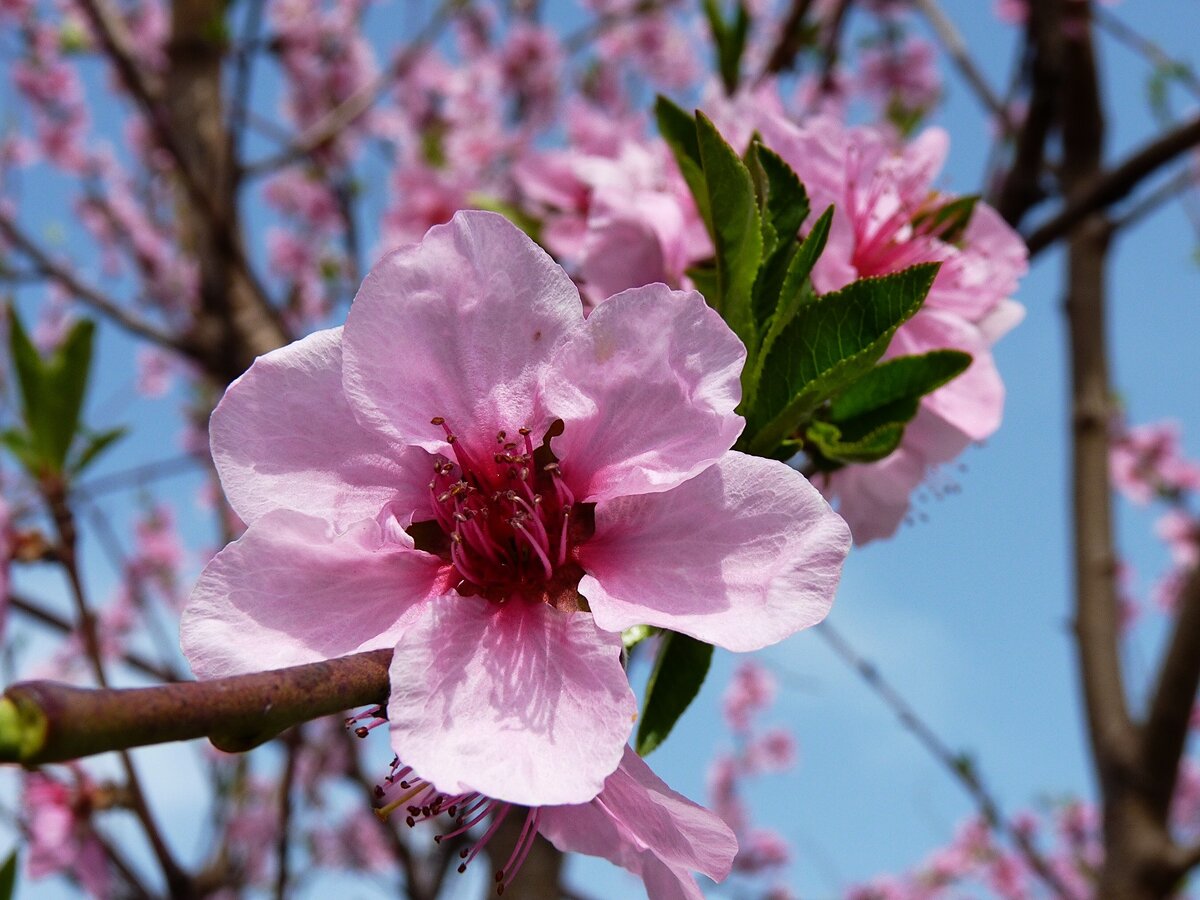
{"x": 66, "y": 379}
{"x": 678, "y": 129}
{"x": 949, "y": 221}
{"x": 830, "y": 342}
{"x": 784, "y": 204}
{"x": 730, "y": 40}
{"x": 704, "y": 276}
{"x": 27, "y": 363}
{"x": 736, "y": 232}
{"x": 8, "y": 876}
{"x": 93, "y": 446}
{"x": 527, "y": 223}
{"x": 678, "y": 674}
{"x": 20, "y": 446}
{"x": 635, "y": 634}
{"x": 898, "y": 379}
{"x": 871, "y": 447}
{"x": 794, "y": 293}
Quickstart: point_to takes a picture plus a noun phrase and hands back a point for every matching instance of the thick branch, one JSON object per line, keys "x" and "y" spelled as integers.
{"x": 44, "y": 721}
{"x": 1165, "y": 731}
{"x": 1103, "y": 191}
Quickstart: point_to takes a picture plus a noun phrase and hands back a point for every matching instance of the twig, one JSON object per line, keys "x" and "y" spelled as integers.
{"x": 1171, "y": 189}
{"x": 136, "y": 476}
{"x": 789, "y": 42}
{"x": 1100, "y": 191}
{"x": 954, "y": 763}
{"x": 1143, "y": 45}
{"x": 44, "y": 721}
{"x": 346, "y": 113}
{"x": 954, "y": 45}
{"x": 85, "y": 293}
{"x": 132, "y": 659}
{"x": 283, "y": 839}
{"x": 241, "y": 78}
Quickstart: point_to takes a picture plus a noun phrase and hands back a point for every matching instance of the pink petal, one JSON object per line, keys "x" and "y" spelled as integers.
{"x": 642, "y": 825}
{"x": 741, "y": 556}
{"x": 974, "y": 401}
{"x": 284, "y": 437}
{"x": 460, "y": 326}
{"x": 647, "y": 391}
{"x": 291, "y": 590}
{"x": 520, "y": 702}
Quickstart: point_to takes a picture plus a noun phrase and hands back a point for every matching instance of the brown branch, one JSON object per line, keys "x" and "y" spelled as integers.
{"x": 1022, "y": 186}
{"x": 85, "y": 293}
{"x": 790, "y": 41}
{"x": 1165, "y": 730}
{"x": 283, "y": 839}
{"x": 955, "y": 763}
{"x": 44, "y": 721}
{"x": 1103, "y": 190}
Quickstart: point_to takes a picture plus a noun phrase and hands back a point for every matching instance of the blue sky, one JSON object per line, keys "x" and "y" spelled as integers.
{"x": 966, "y": 611}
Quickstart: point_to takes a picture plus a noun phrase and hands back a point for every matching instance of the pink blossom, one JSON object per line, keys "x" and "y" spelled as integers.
{"x": 763, "y": 849}
{"x": 751, "y": 690}
{"x": 58, "y": 819}
{"x": 1147, "y": 461}
{"x": 407, "y": 485}
{"x": 154, "y": 371}
{"x": 885, "y": 221}
{"x": 903, "y": 72}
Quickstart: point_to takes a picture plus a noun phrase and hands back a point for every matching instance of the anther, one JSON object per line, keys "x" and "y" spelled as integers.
{"x": 437, "y": 420}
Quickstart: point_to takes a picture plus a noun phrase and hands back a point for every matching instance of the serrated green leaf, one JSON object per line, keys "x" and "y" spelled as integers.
{"x": 8, "y": 876}
{"x": 897, "y": 379}
{"x": 736, "y": 233}
{"x": 678, "y": 129}
{"x": 93, "y": 446}
{"x": 829, "y": 343}
{"x": 827, "y": 439}
{"x": 785, "y": 206}
{"x": 704, "y": 276}
{"x": 949, "y": 221}
{"x": 793, "y": 294}
{"x": 679, "y": 672}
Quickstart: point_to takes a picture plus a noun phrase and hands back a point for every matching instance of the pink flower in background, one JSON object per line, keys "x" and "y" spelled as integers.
{"x": 635, "y": 821}
{"x": 57, "y": 817}
{"x": 886, "y": 220}
{"x": 457, "y": 469}
{"x": 1147, "y": 460}
{"x": 903, "y": 72}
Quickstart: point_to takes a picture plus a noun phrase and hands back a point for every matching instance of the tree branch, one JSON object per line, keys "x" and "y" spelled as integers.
{"x": 954, "y": 763}
{"x": 956, "y": 48}
{"x": 1165, "y": 730}
{"x": 44, "y": 721}
{"x": 1102, "y": 191}
{"x": 85, "y": 293}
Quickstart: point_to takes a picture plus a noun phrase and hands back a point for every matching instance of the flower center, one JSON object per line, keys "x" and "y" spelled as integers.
{"x": 510, "y": 519}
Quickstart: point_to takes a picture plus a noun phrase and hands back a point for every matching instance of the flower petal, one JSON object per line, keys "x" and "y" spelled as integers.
{"x": 291, "y": 590}
{"x": 639, "y": 823}
{"x": 647, "y": 391}
{"x": 519, "y": 701}
{"x": 741, "y": 556}
{"x": 460, "y": 326}
{"x": 284, "y": 437}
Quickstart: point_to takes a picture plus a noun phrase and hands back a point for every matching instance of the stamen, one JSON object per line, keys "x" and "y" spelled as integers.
{"x": 549, "y": 569}
{"x": 524, "y": 844}
{"x": 497, "y": 819}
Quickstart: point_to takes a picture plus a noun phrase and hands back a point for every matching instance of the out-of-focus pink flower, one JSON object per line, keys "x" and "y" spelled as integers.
{"x": 1146, "y": 461}
{"x": 903, "y": 73}
{"x": 762, "y": 849}
{"x": 154, "y": 371}
{"x": 58, "y": 819}
{"x": 476, "y": 475}
{"x": 751, "y": 690}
